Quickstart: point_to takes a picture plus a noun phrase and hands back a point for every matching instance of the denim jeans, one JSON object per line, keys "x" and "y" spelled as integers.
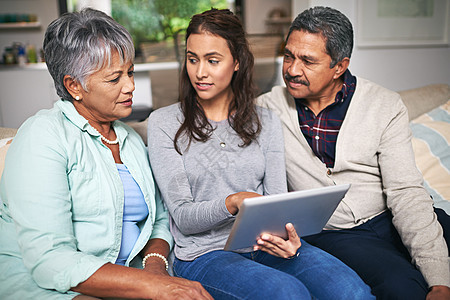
{"x": 375, "y": 251}
{"x": 258, "y": 275}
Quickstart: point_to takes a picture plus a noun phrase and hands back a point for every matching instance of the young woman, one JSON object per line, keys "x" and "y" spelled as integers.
{"x": 216, "y": 148}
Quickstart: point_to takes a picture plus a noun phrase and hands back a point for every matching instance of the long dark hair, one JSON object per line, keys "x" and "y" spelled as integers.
{"x": 244, "y": 120}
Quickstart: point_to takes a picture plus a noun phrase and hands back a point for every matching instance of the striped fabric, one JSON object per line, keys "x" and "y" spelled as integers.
{"x": 431, "y": 143}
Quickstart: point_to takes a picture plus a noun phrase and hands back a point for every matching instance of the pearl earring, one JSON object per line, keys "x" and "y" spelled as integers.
{"x": 77, "y": 98}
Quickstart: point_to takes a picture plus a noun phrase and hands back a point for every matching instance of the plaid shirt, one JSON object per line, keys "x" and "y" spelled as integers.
{"x": 321, "y": 131}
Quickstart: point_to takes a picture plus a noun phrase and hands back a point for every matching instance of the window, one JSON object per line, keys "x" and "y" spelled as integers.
{"x": 157, "y": 26}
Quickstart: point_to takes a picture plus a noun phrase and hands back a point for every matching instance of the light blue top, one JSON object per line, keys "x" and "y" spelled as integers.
{"x": 134, "y": 211}
{"x": 63, "y": 199}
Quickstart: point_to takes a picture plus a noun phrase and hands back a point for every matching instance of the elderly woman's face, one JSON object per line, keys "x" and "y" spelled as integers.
{"x": 110, "y": 93}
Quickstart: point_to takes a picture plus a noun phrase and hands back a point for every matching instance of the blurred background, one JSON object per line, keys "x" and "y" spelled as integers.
{"x": 400, "y": 44}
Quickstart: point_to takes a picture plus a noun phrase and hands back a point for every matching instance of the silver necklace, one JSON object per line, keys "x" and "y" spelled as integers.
{"x": 222, "y": 143}
{"x": 116, "y": 141}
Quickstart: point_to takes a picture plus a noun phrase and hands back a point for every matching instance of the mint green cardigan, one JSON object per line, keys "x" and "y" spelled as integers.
{"x": 374, "y": 154}
{"x": 61, "y": 216}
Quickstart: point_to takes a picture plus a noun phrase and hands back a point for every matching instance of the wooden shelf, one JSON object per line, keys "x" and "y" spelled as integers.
{"x": 19, "y": 25}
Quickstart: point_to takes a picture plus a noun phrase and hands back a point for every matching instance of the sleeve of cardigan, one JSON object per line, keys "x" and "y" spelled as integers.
{"x": 411, "y": 206}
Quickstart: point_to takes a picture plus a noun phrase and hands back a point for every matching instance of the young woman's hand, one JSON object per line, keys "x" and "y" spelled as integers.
{"x": 234, "y": 201}
{"x": 278, "y": 246}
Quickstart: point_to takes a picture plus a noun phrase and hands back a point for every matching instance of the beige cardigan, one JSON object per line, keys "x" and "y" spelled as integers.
{"x": 374, "y": 154}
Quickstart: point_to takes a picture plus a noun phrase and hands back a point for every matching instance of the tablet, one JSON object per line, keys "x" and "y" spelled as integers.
{"x": 307, "y": 210}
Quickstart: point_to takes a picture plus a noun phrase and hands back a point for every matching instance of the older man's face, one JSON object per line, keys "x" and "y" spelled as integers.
{"x": 306, "y": 67}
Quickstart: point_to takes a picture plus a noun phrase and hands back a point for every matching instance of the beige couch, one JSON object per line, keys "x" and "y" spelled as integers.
{"x": 430, "y": 160}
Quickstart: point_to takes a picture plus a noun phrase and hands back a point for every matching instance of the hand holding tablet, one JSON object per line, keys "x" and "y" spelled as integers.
{"x": 278, "y": 246}
{"x": 307, "y": 210}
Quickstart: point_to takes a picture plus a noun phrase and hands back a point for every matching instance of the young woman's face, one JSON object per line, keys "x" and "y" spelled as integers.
{"x": 210, "y": 67}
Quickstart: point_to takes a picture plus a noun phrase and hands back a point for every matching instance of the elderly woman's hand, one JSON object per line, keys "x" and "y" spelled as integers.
{"x": 278, "y": 246}
{"x": 119, "y": 282}
{"x": 166, "y": 287}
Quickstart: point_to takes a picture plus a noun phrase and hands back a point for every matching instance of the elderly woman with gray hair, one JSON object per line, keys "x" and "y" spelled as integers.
{"x": 80, "y": 212}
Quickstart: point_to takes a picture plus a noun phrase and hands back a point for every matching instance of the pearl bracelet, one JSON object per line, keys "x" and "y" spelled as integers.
{"x": 155, "y": 255}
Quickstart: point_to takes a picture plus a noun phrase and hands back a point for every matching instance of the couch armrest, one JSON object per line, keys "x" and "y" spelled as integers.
{"x": 7, "y": 132}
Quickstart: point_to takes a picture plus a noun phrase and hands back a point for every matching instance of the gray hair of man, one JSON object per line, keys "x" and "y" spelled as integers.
{"x": 81, "y": 43}
{"x": 333, "y": 25}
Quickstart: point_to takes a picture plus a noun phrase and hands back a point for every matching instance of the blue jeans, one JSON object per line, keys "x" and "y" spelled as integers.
{"x": 375, "y": 251}
{"x": 258, "y": 275}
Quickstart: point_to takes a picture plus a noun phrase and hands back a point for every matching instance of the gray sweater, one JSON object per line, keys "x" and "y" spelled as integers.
{"x": 374, "y": 154}
{"x": 195, "y": 185}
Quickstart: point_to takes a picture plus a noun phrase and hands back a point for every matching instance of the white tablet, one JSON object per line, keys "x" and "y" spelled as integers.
{"x": 307, "y": 210}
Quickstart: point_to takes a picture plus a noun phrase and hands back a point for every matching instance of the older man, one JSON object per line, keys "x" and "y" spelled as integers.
{"x": 344, "y": 129}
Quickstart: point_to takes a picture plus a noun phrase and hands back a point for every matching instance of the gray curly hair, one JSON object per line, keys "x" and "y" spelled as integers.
{"x": 81, "y": 43}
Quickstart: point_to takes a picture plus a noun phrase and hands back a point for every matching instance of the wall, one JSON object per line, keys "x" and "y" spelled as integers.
{"x": 46, "y": 11}
{"x": 23, "y": 94}
{"x": 18, "y": 88}
{"x": 26, "y": 90}
{"x": 256, "y": 13}
{"x": 395, "y": 68}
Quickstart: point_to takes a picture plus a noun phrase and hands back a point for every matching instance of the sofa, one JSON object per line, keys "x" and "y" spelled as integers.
{"x": 429, "y": 113}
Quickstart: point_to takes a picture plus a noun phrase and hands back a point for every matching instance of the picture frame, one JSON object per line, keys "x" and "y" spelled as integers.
{"x": 402, "y": 23}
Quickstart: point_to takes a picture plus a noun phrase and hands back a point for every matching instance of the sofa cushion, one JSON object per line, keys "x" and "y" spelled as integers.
{"x": 7, "y": 132}
{"x": 431, "y": 143}
{"x": 4, "y": 146}
{"x": 422, "y": 100}
{"x": 141, "y": 128}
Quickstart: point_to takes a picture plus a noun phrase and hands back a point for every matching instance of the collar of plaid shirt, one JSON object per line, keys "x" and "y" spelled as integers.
{"x": 321, "y": 131}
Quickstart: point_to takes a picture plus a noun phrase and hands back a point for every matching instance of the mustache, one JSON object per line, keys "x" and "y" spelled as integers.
{"x": 295, "y": 79}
